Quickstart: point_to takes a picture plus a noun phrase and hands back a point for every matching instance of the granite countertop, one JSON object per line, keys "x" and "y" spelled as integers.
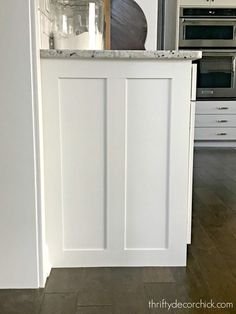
{"x": 122, "y": 54}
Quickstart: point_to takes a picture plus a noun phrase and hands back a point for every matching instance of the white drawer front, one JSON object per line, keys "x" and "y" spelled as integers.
{"x": 215, "y": 121}
{"x": 215, "y": 134}
{"x": 216, "y": 107}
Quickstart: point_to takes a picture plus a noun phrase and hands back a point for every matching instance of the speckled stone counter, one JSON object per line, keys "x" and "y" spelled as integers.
{"x": 121, "y": 54}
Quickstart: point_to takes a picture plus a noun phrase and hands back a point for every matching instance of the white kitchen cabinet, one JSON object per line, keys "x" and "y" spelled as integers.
{"x": 215, "y": 121}
{"x": 117, "y": 161}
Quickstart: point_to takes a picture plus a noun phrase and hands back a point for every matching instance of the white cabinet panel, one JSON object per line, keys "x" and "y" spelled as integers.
{"x": 147, "y": 163}
{"x": 191, "y": 157}
{"x": 114, "y": 153}
{"x": 83, "y": 151}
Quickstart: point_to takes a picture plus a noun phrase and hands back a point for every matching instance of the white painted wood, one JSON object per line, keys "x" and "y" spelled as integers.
{"x": 194, "y": 83}
{"x": 215, "y": 121}
{"x": 21, "y": 261}
{"x": 216, "y": 107}
{"x": 116, "y": 122}
{"x": 218, "y": 134}
{"x": 191, "y": 157}
{"x": 191, "y": 149}
{"x": 83, "y": 151}
{"x": 44, "y": 266}
{"x": 150, "y": 9}
{"x": 147, "y": 141}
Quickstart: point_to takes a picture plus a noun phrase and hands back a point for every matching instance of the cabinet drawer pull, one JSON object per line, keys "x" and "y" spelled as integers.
{"x": 223, "y": 108}
{"x": 221, "y": 134}
{"x": 222, "y": 121}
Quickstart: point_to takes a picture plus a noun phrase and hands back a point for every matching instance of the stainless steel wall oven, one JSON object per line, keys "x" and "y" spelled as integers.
{"x": 213, "y": 30}
{"x": 207, "y": 28}
{"x": 217, "y": 74}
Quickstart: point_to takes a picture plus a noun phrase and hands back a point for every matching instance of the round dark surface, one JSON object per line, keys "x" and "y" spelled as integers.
{"x": 128, "y": 25}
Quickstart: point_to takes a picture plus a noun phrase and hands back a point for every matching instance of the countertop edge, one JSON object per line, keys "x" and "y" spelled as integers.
{"x": 121, "y": 54}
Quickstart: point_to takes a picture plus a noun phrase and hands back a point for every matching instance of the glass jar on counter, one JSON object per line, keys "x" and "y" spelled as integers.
{"x": 77, "y": 24}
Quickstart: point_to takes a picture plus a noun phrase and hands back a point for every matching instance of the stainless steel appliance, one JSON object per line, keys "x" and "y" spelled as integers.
{"x": 217, "y": 74}
{"x": 207, "y": 27}
{"x": 213, "y": 30}
{"x": 166, "y": 28}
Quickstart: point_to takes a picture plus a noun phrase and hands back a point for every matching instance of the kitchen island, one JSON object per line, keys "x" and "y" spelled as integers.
{"x": 118, "y": 149}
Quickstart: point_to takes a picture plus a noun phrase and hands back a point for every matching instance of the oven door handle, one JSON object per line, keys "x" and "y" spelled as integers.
{"x": 225, "y": 21}
{"x": 234, "y": 65}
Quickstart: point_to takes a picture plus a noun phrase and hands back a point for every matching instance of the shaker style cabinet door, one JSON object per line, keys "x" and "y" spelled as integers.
{"x": 114, "y": 155}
